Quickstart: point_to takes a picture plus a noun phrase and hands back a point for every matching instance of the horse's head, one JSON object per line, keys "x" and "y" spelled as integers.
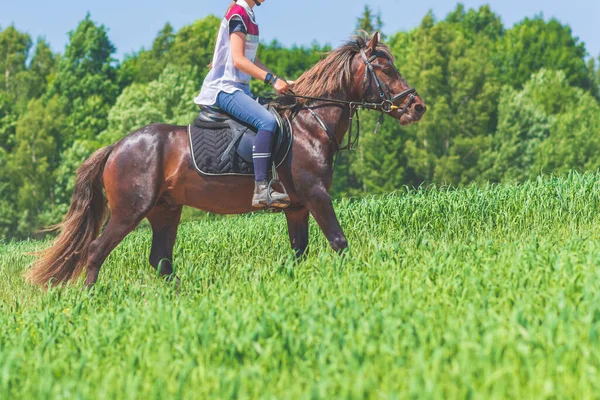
{"x": 377, "y": 80}
{"x": 362, "y": 71}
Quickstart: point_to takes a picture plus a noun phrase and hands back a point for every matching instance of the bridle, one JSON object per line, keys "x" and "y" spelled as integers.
{"x": 386, "y": 106}
{"x": 388, "y": 103}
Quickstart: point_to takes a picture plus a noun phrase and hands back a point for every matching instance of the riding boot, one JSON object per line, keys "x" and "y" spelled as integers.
{"x": 261, "y": 196}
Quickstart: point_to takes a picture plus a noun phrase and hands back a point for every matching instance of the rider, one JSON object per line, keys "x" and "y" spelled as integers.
{"x": 227, "y": 86}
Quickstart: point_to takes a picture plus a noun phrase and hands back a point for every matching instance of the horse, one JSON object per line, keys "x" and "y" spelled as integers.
{"x": 150, "y": 174}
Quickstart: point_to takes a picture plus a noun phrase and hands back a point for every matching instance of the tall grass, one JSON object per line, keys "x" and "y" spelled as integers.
{"x": 489, "y": 292}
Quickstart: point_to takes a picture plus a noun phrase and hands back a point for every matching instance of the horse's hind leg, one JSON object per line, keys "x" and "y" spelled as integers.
{"x": 132, "y": 192}
{"x": 165, "y": 221}
{"x": 116, "y": 230}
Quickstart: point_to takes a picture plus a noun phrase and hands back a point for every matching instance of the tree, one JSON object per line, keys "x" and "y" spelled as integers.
{"x": 41, "y": 70}
{"x": 289, "y": 63}
{"x": 7, "y": 200}
{"x": 534, "y": 44}
{"x": 594, "y": 71}
{"x": 30, "y": 166}
{"x": 86, "y": 82}
{"x": 379, "y": 165}
{"x": 477, "y": 22}
{"x": 355, "y": 172}
{"x": 503, "y": 105}
{"x": 549, "y": 127}
{"x": 8, "y": 121}
{"x": 146, "y": 66}
{"x": 368, "y": 21}
{"x": 85, "y": 87}
{"x": 597, "y": 73}
{"x": 14, "y": 50}
{"x": 169, "y": 100}
{"x": 194, "y": 45}
{"x": 451, "y": 64}
{"x": 523, "y": 125}
{"x": 574, "y": 140}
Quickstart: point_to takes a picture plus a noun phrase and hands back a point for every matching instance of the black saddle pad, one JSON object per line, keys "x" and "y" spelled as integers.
{"x": 225, "y": 148}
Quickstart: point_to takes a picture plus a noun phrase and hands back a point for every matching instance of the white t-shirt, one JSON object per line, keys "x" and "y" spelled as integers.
{"x": 224, "y": 76}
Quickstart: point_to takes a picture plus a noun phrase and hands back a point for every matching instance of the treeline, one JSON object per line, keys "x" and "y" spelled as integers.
{"x": 504, "y": 105}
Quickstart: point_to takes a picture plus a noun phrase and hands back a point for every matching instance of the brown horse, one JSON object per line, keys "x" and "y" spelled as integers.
{"x": 150, "y": 173}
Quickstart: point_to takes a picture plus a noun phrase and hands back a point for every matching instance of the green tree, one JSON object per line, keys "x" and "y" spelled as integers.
{"x": 523, "y": 125}
{"x": 378, "y": 165}
{"x": 481, "y": 22}
{"x": 534, "y": 44}
{"x": 169, "y": 100}
{"x": 30, "y": 166}
{"x": 42, "y": 69}
{"x": 356, "y": 172}
{"x": 574, "y": 140}
{"x": 288, "y": 63}
{"x": 86, "y": 82}
{"x": 597, "y": 73}
{"x": 8, "y": 214}
{"x": 369, "y": 21}
{"x": 422, "y": 57}
{"x": 8, "y": 121}
{"x": 451, "y": 64}
{"x": 14, "y": 51}
{"x": 594, "y": 70}
{"x": 194, "y": 45}
{"x": 147, "y": 65}
{"x": 66, "y": 174}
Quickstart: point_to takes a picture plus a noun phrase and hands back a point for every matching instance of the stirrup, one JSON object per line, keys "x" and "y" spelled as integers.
{"x": 271, "y": 204}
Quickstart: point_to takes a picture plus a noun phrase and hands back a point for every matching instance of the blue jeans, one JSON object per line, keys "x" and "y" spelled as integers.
{"x": 244, "y": 108}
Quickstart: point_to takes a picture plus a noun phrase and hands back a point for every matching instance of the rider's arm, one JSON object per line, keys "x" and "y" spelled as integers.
{"x": 262, "y": 66}
{"x": 238, "y": 46}
{"x": 241, "y": 62}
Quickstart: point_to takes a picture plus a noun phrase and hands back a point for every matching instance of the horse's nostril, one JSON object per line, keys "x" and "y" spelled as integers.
{"x": 420, "y": 108}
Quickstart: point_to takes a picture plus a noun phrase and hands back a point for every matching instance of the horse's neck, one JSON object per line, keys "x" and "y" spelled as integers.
{"x": 340, "y": 118}
{"x": 336, "y": 118}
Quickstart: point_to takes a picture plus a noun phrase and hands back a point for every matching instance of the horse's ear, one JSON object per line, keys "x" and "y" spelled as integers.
{"x": 374, "y": 42}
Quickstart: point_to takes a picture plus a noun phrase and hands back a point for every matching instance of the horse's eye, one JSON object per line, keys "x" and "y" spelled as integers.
{"x": 389, "y": 72}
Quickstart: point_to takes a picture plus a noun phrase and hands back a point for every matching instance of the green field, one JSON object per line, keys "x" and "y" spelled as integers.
{"x": 489, "y": 292}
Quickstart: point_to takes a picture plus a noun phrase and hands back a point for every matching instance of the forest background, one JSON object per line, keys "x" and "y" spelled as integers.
{"x": 505, "y": 105}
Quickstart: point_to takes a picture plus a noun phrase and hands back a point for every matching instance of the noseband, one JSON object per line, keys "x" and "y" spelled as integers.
{"x": 387, "y": 105}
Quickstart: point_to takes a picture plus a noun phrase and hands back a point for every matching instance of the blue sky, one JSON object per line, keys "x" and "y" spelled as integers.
{"x": 133, "y": 24}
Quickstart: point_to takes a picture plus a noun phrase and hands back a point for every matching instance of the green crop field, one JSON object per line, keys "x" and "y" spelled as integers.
{"x": 490, "y": 292}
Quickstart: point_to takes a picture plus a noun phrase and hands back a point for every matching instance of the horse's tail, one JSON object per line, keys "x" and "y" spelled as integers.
{"x": 67, "y": 257}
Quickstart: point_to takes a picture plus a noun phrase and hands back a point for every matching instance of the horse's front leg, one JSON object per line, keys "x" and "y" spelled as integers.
{"x": 297, "y": 221}
{"x": 321, "y": 208}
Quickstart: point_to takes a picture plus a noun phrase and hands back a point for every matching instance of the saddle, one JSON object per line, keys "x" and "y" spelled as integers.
{"x": 222, "y": 145}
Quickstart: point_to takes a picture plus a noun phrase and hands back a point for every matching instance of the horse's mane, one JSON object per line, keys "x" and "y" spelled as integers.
{"x": 333, "y": 75}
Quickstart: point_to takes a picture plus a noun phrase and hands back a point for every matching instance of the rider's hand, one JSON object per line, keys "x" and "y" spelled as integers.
{"x": 281, "y": 86}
